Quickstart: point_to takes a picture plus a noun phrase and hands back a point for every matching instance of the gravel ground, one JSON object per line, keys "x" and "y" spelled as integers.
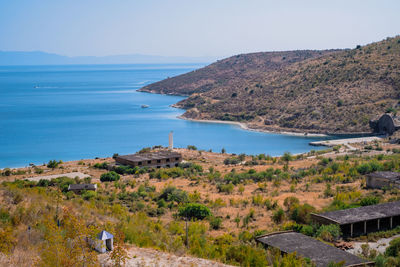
{"x": 379, "y": 245}
{"x": 145, "y": 257}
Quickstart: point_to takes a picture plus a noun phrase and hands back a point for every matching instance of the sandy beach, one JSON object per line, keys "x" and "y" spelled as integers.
{"x": 245, "y": 127}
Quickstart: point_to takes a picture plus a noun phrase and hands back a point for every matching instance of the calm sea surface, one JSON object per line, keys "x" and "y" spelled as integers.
{"x": 76, "y": 112}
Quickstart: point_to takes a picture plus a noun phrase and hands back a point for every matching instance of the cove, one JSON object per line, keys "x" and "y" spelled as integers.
{"x": 74, "y": 112}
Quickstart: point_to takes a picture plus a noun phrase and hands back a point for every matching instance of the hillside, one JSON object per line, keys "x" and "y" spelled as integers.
{"x": 245, "y": 196}
{"x": 305, "y": 91}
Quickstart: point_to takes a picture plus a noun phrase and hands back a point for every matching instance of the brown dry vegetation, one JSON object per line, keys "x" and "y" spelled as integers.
{"x": 120, "y": 205}
{"x": 311, "y": 91}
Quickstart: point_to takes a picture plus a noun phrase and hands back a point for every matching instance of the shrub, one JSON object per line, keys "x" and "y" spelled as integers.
{"x": 194, "y": 211}
{"x": 109, "y": 176}
{"x": 88, "y": 195}
{"x": 215, "y": 223}
{"x": 226, "y": 188}
{"x": 53, "y": 164}
{"x": 278, "y": 216}
{"x": 369, "y": 200}
{"x": 38, "y": 170}
{"x": 7, "y": 172}
{"x": 172, "y": 193}
{"x": 43, "y": 183}
{"x": 329, "y": 232}
{"x": 191, "y": 147}
{"x": 394, "y": 248}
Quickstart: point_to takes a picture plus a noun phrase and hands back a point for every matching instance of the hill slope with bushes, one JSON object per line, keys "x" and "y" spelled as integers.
{"x": 332, "y": 91}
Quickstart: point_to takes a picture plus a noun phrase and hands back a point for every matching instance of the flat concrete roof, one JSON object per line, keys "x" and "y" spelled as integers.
{"x": 393, "y": 176}
{"x": 361, "y": 214}
{"x": 320, "y": 253}
{"x": 150, "y": 156}
{"x": 82, "y": 187}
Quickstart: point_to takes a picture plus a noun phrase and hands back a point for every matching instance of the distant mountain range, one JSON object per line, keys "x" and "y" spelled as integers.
{"x": 43, "y": 58}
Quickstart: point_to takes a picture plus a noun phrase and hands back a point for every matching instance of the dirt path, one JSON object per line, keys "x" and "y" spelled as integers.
{"x": 346, "y": 142}
{"x": 49, "y": 177}
{"x": 145, "y": 257}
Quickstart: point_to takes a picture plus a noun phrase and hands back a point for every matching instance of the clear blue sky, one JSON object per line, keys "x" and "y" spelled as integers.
{"x": 192, "y": 27}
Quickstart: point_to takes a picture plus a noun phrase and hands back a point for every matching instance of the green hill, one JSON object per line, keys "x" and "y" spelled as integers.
{"x": 332, "y": 91}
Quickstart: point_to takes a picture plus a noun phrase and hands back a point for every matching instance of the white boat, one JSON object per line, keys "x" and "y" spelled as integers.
{"x": 145, "y": 106}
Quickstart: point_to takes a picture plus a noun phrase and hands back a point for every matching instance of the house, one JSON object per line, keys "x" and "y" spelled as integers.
{"x": 362, "y": 220}
{"x": 80, "y": 187}
{"x": 103, "y": 242}
{"x": 319, "y": 253}
{"x": 157, "y": 159}
{"x": 383, "y": 180}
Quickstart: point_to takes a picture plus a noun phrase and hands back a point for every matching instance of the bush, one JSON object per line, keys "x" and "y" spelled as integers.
{"x": 7, "y": 172}
{"x": 172, "y": 193}
{"x": 43, "y": 183}
{"x": 226, "y": 188}
{"x": 109, "y": 176}
{"x": 88, "y": 195}
{"x": 278, "y": 216}
{"x": 329, "y": 232}
{"x": 232, "y": 161}
{"x": 369, "y": 200}
{"x": 53, "y": 164}
{"x": 191, "y": 147}
{"x": 215, "y": 223}
{"x": 194, "y": 211}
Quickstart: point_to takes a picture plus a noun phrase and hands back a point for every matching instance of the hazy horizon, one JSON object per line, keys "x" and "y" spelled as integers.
{"x": 192, "y": 28}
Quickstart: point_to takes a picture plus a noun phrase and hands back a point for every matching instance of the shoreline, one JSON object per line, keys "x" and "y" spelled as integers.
{"x": 245, "y": 127}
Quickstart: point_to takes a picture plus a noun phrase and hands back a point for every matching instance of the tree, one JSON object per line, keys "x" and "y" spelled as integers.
{"x": 66, "y": 245}
{"x": 109, "y": 176}
{"x": 194, "y": 211}
{"x": 119, "y": 255}
{"x": 223, "y": 150}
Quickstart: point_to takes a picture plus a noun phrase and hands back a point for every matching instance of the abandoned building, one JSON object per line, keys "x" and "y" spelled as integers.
{"x": 318, "y": 252}
{"x": 103, "y": 242}
{"x": 362, "y": 220}
{"x": 379, "y": 180}
{"x": 80, "y": 187}
{"x": 152, "y": 159}
{"x": 386, "y": 124}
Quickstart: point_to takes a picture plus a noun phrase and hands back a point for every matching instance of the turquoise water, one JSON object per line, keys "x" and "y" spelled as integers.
{"x": 77, "y": 112}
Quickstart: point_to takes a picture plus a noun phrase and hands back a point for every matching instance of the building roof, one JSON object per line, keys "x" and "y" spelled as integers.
{"x": 104, "y": 235}
{"x": 393, "y": 176}
{"x": 82, "y": 187}
{"x": 360, "y": 214}
{"x": 318, "y": 252}
{"x": 150, "y": 156}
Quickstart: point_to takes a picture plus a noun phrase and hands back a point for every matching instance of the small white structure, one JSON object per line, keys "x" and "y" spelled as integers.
{"x": 171, "y": 140}
{"x": 103, "y": 242}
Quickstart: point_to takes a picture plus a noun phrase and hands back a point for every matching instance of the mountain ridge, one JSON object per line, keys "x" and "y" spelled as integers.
{"x": 12, "y": 58}
{"x": 334, "y": 92}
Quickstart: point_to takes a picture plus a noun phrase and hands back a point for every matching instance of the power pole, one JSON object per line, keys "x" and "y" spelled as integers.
{"x": 187, "y": 235}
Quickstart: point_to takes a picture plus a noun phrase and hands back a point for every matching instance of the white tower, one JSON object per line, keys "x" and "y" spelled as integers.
{"x": 171, "y": 140}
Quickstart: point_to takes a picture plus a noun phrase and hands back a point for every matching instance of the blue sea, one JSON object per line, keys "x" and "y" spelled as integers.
{"x": 87, "y": 111}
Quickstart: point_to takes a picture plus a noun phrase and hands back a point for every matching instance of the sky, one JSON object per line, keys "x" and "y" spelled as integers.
{"x": 192, "y": 27}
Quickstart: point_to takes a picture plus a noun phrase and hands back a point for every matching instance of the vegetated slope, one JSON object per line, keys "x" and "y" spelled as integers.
{"x": 230, "y": 71}
{"x": 336, "y": 92}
